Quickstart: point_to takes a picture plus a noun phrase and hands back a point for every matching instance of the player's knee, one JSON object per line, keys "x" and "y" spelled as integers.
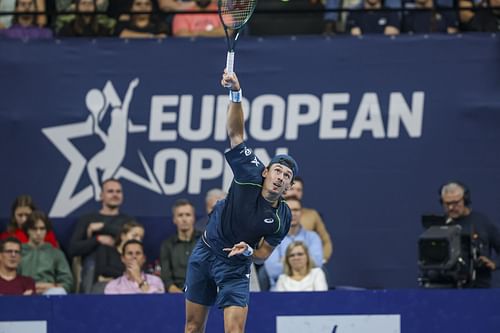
{"x": 194, "y": 326}
{"x": 234, "y": 327}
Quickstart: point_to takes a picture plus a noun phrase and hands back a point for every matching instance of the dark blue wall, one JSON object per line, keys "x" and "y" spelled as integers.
{"x": 410, "y": 114}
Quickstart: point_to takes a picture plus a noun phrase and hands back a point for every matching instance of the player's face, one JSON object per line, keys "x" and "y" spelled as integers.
{"x": 111, "y": 195}
{"x": 453, "y": 204}
{"x": 21, "y": 215}
{"x": 296, "y": 190}
{"x": 278, "y": 179}
{"x": 296, "y": 209}
{"x": 11, "y": 255}
{"x": 37, "y": 233}
{"x": 184, "y": 218}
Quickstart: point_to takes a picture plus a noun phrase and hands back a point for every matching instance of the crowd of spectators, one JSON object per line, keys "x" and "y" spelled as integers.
{"x": 105, "y": 253}
{"x": 198, "y": 18}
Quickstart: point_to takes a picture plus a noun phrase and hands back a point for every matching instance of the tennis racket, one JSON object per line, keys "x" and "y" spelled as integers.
{"x": 234, "y": 14}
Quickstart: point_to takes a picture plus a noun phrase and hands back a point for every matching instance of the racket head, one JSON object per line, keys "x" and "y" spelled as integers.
{"x": 234, "y": 14}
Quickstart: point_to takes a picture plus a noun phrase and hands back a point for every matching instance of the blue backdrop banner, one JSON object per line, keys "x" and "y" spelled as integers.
{"x": 376, "y": 125}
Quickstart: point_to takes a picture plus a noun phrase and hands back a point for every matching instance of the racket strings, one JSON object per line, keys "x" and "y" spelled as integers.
{"x": 235, "y": 13}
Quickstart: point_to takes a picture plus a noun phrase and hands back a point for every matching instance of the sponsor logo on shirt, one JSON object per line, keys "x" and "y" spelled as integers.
{"x": 255, "y": 161}
{"x": 246, "y": 151}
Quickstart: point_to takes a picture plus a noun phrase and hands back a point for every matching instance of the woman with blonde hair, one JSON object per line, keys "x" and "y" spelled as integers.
{"x": 299, "y": 271}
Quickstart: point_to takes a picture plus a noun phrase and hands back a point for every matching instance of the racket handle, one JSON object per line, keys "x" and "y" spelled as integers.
{"x": 230, "y": 62}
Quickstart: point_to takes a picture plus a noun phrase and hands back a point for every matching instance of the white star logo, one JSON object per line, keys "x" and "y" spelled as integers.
{"x": 108, "y": 160}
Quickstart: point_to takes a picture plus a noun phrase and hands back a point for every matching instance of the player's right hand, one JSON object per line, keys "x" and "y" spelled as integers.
{"x": 230, "y": 81}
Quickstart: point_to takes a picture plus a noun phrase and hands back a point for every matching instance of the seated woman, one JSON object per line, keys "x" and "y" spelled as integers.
{"x": 134, "y": 280}
{"x": 141, "y": 25}
{"x": 22, "y": 207}
{"x": 299, "y": 273}
{"x": 25, "y": 24}
{"x": 109, "y": 264}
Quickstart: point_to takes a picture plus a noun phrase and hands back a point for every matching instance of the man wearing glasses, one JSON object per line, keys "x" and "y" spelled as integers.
{"x": 10, "y": 282}
{"x": 484, "y": 235}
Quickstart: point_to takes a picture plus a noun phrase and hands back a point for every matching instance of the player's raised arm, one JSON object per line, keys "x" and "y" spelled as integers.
{"x": 235, "y": 122}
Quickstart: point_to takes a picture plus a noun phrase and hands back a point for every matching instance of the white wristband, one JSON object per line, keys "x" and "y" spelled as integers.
{"x": 235, "y": 96}
{"x": 248, "y": 252}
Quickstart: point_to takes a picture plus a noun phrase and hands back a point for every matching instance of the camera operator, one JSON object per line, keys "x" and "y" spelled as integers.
{"x": 484, "y": 235}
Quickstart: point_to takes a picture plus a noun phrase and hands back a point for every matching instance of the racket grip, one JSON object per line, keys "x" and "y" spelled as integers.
{"x": 230, "y": 62}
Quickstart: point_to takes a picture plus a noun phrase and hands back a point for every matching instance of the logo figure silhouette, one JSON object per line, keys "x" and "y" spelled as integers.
{"x": 110, "y": 158}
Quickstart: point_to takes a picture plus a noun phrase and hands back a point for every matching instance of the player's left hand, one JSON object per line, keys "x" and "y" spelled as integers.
{"x": 236, "y": 249}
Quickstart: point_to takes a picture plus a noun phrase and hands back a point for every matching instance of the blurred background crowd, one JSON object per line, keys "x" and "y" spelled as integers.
{"x": 178, "y": 18}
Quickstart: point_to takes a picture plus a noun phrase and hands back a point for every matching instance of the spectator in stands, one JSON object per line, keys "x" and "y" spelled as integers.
{"x": 6, "y": 6}
{"x": 141, "y": 25}
{"x": 175, "y": 5}
{"x": 300, "y": 273}
{"x": 274, "y": 264}
{"x": 85, "y": 23}
{"x": 455, "y": 199}
{"x": 310, "y": 218}
{"x": 211, "y": 199}
{"x": 429, "y": 19}
{"x": 134, "y": 280}
{"x": 176, "y": 250}
{"x": 12, "y": 283}
{"x": 98, "y": 228}
{"x": 198, "y": 25}
{"x": 27, "y": 25}
{"x": 71, "y": 5}
{"x": 10, "y": 6}
{"x": 331, "y": 18}
{"x": 480, "y": 16}
{"x": 22, "y": 207}
{"x": 373, "y": 20}
{"x": 42, "y": 262}
{"x": 108, "y": 258}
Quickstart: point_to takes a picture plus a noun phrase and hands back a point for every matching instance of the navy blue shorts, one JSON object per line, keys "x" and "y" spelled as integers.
{"x": 211, "y": 279}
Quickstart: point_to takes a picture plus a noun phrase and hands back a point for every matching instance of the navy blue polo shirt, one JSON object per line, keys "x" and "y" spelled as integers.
{"x": 245, "y": 215}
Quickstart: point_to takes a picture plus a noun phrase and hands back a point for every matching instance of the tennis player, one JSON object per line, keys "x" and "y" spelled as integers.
{"x": 246, "y": 226}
